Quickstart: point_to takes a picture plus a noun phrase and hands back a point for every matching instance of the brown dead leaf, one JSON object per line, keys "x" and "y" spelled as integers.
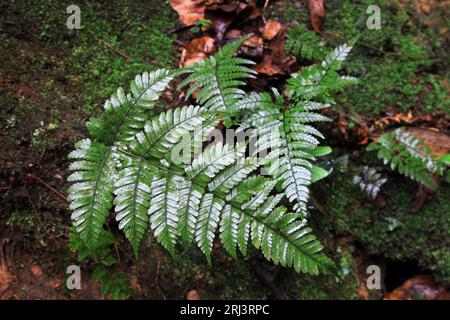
{"x": 267, "y": 66}
{"x": 418, "y": 287}
{"x": 271, "y": 29}
{"x": 189, "y": 11}
{"x": 422, "y": 195}
{"x": 438, "y": 142}
{"x": 316, "y": 13}
{"x": 363, "y": 293}
{"x": 253, "y": 47}
{"x": 5, "y": 279}
{"x": 134, "y": 283}
{"x": 220, "y": 21}
{"x": 275, "y": 60}
{"x": 224, "y": 14}
{"x": 193, "y": 295}
{"x": 196, "y": 50}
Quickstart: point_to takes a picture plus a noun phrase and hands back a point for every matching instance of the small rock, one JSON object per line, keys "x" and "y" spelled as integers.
{"x": 37, "y": 271}
{"x": 193, "y": 295}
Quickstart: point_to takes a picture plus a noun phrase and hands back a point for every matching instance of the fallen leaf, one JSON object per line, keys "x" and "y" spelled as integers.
{"x": 5, "y": 279}
{"x": 223, "y": 15}
{"x": 316, "y": 14}
{"x": 220, "y": 21}
{"x": 267, "y": 66}
{"x": 189, "y": 11}
{"x": 438, "y": 142}
{"x": 253, "y": 47}
{"x": 275, "y": 60}
{"x": 417, "y": 288}
{"x": 134, "y": 283}
{"x": 271, "y": 29}
{"x": 193, "y": 295}
{"x": 196, "y": 50}
{"x": 363, "y": 293}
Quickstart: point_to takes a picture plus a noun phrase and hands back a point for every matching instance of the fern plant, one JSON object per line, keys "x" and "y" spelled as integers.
{"x": 132, "y": 162}
{"x": 409, "y": 156}
{"x": 304, "y": 43}
{"x": 283, "y": 125}
{"x": 370, "y": 181}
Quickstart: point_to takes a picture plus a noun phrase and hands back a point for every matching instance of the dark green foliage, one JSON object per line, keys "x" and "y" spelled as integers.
{"x": 305, "y": 44}
{"x": 117, "y": 285}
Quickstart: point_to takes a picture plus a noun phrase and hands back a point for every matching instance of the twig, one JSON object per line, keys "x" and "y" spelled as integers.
{"x": 266, "y": 3}
{"x": 115, "y": 245}
{"x": 156, "y": 280}
{"x": 59, "y": 194}
{"x": 120, "y": 53}
{"x": 2, "y": 254}
{"x": 178, "y": 29}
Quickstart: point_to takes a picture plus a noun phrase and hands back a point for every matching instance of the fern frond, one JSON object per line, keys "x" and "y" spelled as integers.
{"x": 287, "y": 241}
{"x": 91, "y": 192}
{"x": 208, "y": 220}
{"x": 319, "y": 81}
{"x": 370, "y": 181}
{"x": 165, "y": 131}
{"x": 125, "y": 114}
{"x": 214, "y": 159}
{"x": 190, "y": 198}
{"x": 229, "y": 226}
{"x": 218, "y": 78}
{"x": 132, "y": 200}
{"x": 304, "y": 43}
{"x": 163, "y": 211}
{"x": 95, "y": 170}
{"x": 291, "y": 141}
{"x": 406, "y": 154}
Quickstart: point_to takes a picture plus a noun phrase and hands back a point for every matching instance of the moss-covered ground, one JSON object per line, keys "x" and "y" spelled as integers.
{"x": 402, "y": 66}
{"x": 53, "y": 79}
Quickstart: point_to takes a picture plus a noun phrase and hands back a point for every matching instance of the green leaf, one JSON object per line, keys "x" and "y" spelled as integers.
{"x": 317, "y": 173}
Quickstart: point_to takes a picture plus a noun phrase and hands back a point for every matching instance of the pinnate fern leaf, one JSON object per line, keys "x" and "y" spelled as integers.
{"x": 217, "y": 194}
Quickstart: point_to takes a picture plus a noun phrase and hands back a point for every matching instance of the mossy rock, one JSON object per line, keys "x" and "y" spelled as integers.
{"x": 402, "y": 66}
{"x": 393, "y": 231}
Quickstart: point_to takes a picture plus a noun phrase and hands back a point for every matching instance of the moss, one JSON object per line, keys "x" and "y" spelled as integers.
{"x": 403, "y": 66}
{"x": 325, "y": 287}
{"x": 136, "y": 29}
{"x": 81, "y": 56}
{"x": 393, "y": 232}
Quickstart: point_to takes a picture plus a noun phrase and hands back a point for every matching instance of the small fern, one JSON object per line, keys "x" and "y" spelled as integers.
{"x": 304, "y": 44}
{"x": 370, "y": 181}
{"x": 132, "y": 162}
{"x": 407, "y": 154}
{"x": 283, "y": 125}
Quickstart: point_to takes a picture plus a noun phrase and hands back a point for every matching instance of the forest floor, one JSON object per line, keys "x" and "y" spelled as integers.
{"x": 53, "y": 79}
